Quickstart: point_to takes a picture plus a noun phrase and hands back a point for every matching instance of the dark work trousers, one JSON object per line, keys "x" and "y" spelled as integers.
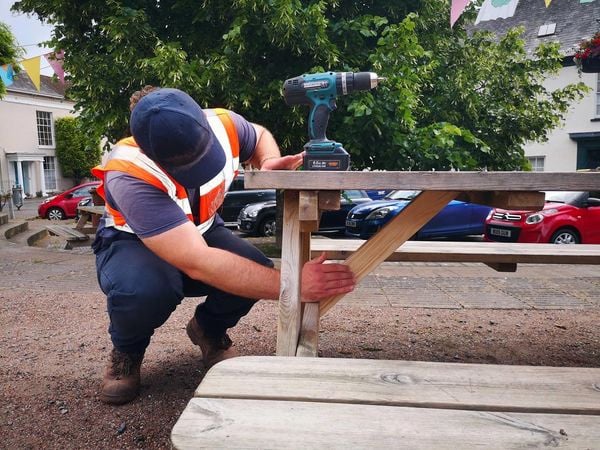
{"x": 143, "y": 290}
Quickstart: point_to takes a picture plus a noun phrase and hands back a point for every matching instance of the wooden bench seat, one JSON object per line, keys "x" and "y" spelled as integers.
{"x": 502, "y": 256}
{"x": 288, "y": 402}
{"x": 68, "y": 233}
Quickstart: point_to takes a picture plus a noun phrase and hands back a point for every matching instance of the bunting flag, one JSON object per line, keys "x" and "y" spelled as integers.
{"x": 6, "y": 74}
{"x": 496, "y": 9}
{"x": 32, "y": 67}
{"x": 547, "y": 2}
{"x": 458, "y": 6}
{"x": 56, "y": 62}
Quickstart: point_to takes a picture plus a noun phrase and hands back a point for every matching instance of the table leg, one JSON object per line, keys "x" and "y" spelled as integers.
{"x": 83, "y": 218}
{"x": 288, "y": 325}
{"x": 308, "y": 345}
{"x": 400, "y": 229}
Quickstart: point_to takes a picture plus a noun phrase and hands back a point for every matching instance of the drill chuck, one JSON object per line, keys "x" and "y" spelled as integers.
{"x": 301, "y": 90}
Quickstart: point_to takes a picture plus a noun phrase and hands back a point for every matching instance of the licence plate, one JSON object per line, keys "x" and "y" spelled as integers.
{"x": 351, "y": 223}
{"x": 500, "y": 232}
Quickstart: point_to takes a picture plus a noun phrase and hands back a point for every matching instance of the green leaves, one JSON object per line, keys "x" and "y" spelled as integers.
{"x": 76, "y": 149}
{"x": 451, "y": 99}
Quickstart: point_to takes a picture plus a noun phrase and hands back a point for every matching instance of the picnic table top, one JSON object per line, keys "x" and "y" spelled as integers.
{"x": 92, "y": 209}
{"x": 436, "y": 181}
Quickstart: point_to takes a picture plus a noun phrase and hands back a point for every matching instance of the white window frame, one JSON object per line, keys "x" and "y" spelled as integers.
{"x": 45, "y": 125}
{"x": 534, "y": 161}
{"x": 50, "y": 174}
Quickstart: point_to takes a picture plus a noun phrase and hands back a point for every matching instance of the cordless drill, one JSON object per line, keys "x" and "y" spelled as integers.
{"x": 319, "y": 91}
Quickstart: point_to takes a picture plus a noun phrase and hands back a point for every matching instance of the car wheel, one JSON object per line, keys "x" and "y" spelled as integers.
{"x": 565, "y": 236}
{"x": 268, "y": 227}
{"x": 55, "y": 214}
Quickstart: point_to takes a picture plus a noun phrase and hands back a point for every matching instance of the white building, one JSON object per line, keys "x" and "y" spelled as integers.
{"x": 575, "y": 144}
{"x": 27, "y": 137}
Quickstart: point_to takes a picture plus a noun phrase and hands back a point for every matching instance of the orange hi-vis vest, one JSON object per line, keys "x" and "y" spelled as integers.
{"x": 127, "y": 157}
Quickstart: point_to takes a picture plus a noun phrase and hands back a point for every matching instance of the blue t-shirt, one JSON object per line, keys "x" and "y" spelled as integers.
{"x": 150, "y": 211}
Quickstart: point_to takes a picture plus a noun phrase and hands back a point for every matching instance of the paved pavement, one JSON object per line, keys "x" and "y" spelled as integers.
{"x": 391, "y": 285}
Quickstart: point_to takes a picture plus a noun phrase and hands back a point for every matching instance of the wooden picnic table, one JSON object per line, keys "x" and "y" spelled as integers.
{"x": 87, "y": 214}
{"x": 288, "y": 402}
{"x": 309, "y": 192}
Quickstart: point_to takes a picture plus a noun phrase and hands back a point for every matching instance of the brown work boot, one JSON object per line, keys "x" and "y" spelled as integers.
{"x": 214, "y": 349}
{"x": 121, "y": 382}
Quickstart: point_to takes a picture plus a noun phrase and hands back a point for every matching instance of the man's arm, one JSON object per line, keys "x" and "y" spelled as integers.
{"x": 184, "y": 248}
{"x": 267, "y": 155}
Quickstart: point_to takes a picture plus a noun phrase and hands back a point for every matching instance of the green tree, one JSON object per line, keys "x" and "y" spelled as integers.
{"x": 9, "y": 52}
{"x": 451, "y": 100}
{"x": 77, "y": 151}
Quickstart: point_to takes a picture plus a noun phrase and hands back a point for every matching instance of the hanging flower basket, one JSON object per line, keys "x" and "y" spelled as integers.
{"x": 587, "y": 57}
{"x": 590, "y": 65}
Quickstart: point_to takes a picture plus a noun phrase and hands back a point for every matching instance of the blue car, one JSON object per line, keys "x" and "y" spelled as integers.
{"x": 455, "y": 220}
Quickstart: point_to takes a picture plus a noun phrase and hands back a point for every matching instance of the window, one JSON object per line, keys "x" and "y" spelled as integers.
{"x": 50, "y": 172}
{"x": 537, "y": 163}
{"x": 547, "y": 30}
{"x": 44, "y": 128}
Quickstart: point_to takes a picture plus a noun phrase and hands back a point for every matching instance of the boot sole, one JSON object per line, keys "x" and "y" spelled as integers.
{"x": 117, "y": 400}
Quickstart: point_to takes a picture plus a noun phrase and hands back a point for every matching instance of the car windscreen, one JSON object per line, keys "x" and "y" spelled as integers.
{"x": 568, "y": 197}
{"x": 354, "y": 193}
{"x": 401, "y": 195}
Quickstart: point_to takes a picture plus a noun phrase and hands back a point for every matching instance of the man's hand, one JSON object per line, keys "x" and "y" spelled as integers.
{"x": 320, "y": 281}
{"x": 289, "y": 162}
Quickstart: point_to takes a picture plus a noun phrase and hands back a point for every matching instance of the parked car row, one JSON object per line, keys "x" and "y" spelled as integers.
{"x": 260, "y": 218}
{"x": 567, "y": 217}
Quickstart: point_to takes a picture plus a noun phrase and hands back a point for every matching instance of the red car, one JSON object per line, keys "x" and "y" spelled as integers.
{"x": 64, "y": 206}
{"x": 567, "y": 218}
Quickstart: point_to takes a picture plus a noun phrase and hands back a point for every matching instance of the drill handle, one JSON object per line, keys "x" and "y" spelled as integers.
{"x": 318, "y": 120}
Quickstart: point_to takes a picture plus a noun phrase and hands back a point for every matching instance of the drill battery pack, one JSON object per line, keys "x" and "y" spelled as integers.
{"x": 326, "y": 161}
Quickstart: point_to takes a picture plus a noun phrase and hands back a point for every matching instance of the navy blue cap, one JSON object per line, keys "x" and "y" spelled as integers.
{"x": 173, "y": 131}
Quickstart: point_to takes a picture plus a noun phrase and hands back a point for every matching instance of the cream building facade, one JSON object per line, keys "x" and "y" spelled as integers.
{"x": 27, "y": 136}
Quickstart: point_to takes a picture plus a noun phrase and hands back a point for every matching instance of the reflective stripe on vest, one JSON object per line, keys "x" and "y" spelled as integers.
{"x": 126, "y": 157}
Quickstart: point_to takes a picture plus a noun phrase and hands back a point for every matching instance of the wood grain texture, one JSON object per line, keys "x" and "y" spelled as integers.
{"x": 529, "y": 201}
{"x": 233, "y": 423}
{"x": 397, "y": 231}
{"x": 308, "y": 342}
{"x": 485, "y": 387}
{"x": 288, "y": 325}
{"x": 329, "y": 200}
{"x": 309, "y": 211}
{"x": 484, "y": 252}
{"x": 437, "y": 181}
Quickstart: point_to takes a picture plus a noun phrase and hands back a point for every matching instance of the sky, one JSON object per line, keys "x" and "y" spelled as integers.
{"x": 28, "y": 32}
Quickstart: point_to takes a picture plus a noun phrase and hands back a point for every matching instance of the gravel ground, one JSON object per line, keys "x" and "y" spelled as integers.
{"x": 54, "y": 344}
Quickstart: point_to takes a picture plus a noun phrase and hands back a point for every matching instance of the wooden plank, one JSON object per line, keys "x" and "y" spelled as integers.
{"x": 70, "y": 234}
{"x": 308, "y": 343}
{"x": 397, "y": 231}
{"x": 309, "y": 211}
{"x": 437, "y": 181}
{"x": 484, "y": 252}
{"x": 288, "y": 325}
{"x": 529, "y": 201}
{"x": 234, "y": 423}
{"x": 486, "y": 387}
{"x": 92, "y": 209}
{"x": 329, "y": 200}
